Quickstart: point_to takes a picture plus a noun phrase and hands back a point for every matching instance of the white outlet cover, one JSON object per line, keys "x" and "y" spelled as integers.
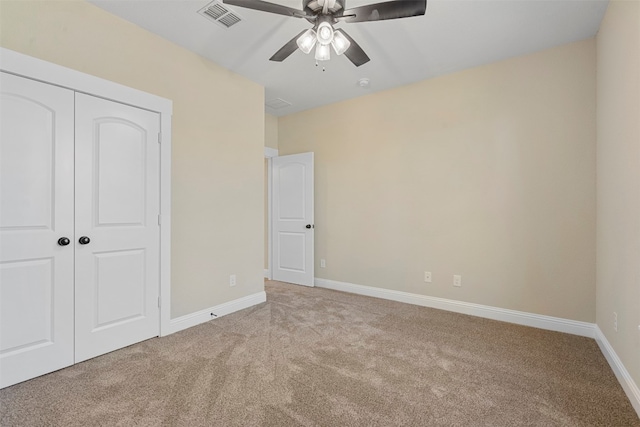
{"x": 457, "y": 280}
{"x": 323, "y": 263}
{"x": 427, "y": 276}
{"x": 232, "y": 280}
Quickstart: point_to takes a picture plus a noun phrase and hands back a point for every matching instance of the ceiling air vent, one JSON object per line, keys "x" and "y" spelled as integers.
{"x": 220, "y": 13}
{"x": 278, "y": 103}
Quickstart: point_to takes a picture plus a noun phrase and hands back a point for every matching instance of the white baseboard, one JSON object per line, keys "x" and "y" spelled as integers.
{"x": 267, "y": 273}
{"x": 557, "y": 324}
{"x": 193, "y": 319}
{"x": 624, "y": 378}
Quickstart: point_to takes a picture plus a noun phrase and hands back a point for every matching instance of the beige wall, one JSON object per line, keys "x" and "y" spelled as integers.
{"x": 271, "y": 131}
{"x": 218, "y": 137}
{"x": 618, "y": 278}
{"x": 488, "y": 173}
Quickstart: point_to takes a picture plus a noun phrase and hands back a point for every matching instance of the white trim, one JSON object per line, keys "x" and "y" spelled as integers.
{"x": 270, "y": 152}
{"x": 165, "y": 228}
{"x": 47, "y": 72}
{"x": 193, "y": 319}
{"x": 518, "y": 317}
{"x": 36, "y": 69}
{"x": 628, "y": 385}
{"x": 269, "y": 211}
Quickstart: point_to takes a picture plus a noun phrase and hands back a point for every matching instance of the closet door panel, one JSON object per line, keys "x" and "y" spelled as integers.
{"x": 117, "y": 206}
{"x": 36, "y": 210}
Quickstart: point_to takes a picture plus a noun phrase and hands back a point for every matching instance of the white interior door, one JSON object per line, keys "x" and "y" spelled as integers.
{"x": 36, "y": 210}
{"x": 292, "y": 219}
{"x": 117, "y": 206}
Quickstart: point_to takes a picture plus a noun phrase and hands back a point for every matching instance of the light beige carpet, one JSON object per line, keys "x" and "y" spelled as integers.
{"x": 315, "y": 357}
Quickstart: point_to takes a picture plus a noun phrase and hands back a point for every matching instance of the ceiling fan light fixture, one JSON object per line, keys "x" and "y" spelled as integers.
{"x": 323, "y": 52}
{"x": 307, "y": 41}
{"x": 325, "y": 33}
{"x": 323, "y": 14}
{"x": 340, "y": 43}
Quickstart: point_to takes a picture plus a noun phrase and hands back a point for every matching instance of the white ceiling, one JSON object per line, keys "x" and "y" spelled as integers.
{"x": 452, "y": 36}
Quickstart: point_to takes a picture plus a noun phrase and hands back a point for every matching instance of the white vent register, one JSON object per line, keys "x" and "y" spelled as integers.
{"x": 278, "y": 103}
{"x": 220, "y": 14}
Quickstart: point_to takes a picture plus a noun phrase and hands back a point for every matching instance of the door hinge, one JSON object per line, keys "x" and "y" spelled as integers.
{"x": 159, "y": 137}
{"x": 159, "y": 219}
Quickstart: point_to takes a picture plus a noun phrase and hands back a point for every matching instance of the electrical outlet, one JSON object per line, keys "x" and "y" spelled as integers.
{"x": 615, "y": 321}
{"x": 232, "y": 280}
{"x": 457, "y": 280}
{"x": 323, "y": 263}
{"x": 427, "y": 276}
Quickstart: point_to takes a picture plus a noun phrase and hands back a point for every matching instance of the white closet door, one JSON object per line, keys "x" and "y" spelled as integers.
{"x": 117, "y": 206}
{"x": 292, "y": 219}
{"x": 36, "y": 210}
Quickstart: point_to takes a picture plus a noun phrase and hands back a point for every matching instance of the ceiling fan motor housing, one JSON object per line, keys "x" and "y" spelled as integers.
{"x": 314, "y": 6}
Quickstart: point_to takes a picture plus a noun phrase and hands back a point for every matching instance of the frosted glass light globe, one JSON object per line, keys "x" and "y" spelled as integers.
{"x": 325, "y": 33}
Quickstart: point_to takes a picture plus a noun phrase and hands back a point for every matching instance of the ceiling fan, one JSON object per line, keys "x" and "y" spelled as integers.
{"x": 324, "y": 14}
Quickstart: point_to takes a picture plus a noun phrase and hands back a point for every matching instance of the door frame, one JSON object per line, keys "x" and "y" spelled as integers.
{"x": 269, "y": 153}
{"x": 22, "y": 65}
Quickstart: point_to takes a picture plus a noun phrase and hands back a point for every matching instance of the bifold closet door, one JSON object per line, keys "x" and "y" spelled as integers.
{"x": 36, "y": 216}
{"x": 117, "y": 184}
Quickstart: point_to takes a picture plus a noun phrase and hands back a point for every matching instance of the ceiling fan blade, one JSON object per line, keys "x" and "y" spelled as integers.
{"x": 264, "y": 6}
{"x": 386, "y": 10}
{"x": 355, "y": 52}
{"x": 286, "y": 50}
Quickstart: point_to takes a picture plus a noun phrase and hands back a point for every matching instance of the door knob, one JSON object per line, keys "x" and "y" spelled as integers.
{"x": 64, "y": 241}
{"x": 84, "y": 240}
{"x": 308, "y": 226}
